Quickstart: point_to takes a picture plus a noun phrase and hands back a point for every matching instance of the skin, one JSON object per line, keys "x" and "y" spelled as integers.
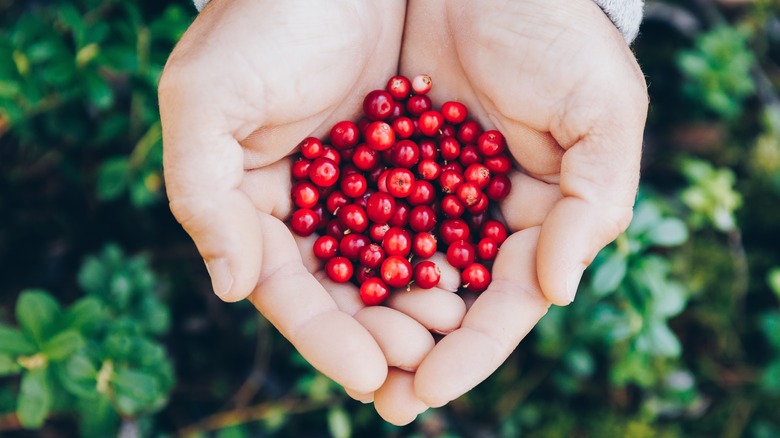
{"x": 252, "y": 78}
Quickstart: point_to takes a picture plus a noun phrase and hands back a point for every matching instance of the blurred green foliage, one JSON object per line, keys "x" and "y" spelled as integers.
{"x": 675, "y": 331}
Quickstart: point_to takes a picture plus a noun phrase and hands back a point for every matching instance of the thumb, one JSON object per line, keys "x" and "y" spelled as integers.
{"x": 203, "y": 167}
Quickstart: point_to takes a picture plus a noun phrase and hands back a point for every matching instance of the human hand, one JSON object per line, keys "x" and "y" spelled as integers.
{"x": 558, "y": 80}
{"x": 245, "y": 84}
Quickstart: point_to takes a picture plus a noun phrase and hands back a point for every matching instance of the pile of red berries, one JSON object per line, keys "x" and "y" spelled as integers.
{"x": 403, "y": 182}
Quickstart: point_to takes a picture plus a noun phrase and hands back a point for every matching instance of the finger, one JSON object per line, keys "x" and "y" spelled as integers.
{"x": 529, "y": 201}
{"x": 438, "y": 310}
{"x": 345, "y": 295}
{"x": 450, "y": 276}
{"x": 298, "y": 306}
{"x": 403, "y": 340}
{"x": 306, "y": 249}
{"x": 496, "y": 323}
{"x": 396, "y": 401}
{"x": 268, "y": 188}
{"x": 364, "y": 398}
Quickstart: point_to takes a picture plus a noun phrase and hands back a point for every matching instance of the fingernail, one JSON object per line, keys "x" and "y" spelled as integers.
{"x": 574, "y": 281}
{"x": 221, "y": 279}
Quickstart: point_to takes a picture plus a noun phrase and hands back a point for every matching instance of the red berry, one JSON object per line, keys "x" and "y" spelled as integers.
{"x": 429, "y": 150}
{"x": 304, "y": 221}
{"x": 452, "y": 165}
{"x": 495, "y": 230}
{"x": 351, "y": 245}
{"x": 335, "y": 201}
{"x": 469, "y": 155}
{"x": 372, "y": 256}
{"x": 480, "y": 207}
{"x": 339, "y": 269}
{"x": 334, "y": 229}
{"x": 475, "y": 277}
{"x": 325, "y": 247}
{"x": 405, "y": 154}
{"x": 403, "y": 127}
{"x": 397, "y": 241}
{"x": 419, "y": 104}
{"x": 378, "y": 105}
{"x": 476, "y": 220}
{"x": 454, "y": 112}
{"x": 491, "y": 143}
{"x": 453, "y": 230}
{"x": 430, "y": 122}
{"x": 427, "y": 274}
{"x": 305, "y": 194}
{"x": 429, "y": 170}
{"x": 331, "y": 153}
{"x": 421, "y": 84}
{"x": 400, "y": 182}
{"x": 363, "y": 274}
{"x": 353, "y": 217}
{"x": 373, "y": 291}
{"x": 396, "y": 271}
{"x": 324, "y": 172}
{"x": 365, "y": 158}
{"x": 311, "y": 147}
{"x": 424, "y": 245}
{"x": 300, "y": 169}
{"x": 461, "y": 254}
{"x": 469, "y": 194}
{"x": 379, "y": 136}
{"x": 498, "y": 164}
{"x": 450, "y": 180}
{"x": 399, "y": 87}
{"x": 423, "y": 192}
{"x": 469, "y": 131}
{"x": 380, "y": 207}
{"x": 487, "y": 249}
{"x": 498, "y": 188}
{"x": 377, "y": 231}
{"x": 422, "y": 218}
{"x": 344, "y": 135}
{"x": 354, "y": 185}
{"x": 478, "y": 174}
{"x": 452, "y": 207}
{"x": 450, "y": 148}
{"x": 401, "y": 216}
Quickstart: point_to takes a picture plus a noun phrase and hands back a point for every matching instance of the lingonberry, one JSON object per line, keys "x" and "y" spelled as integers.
{"x": 428, "y": 170}
{"x": 475, "y": 277}
{"x": 354, "y": 185}
{"x": 352, "y": 244}
{"x": 365, "y": 158}
{"x": 324, "y": 172}
{"x": 487, "y": 249}
{"x": 335, "y": 229}
{"x": 450, "y": 180}
{"x": 418, "y": 104}
{"x": 453, "y": 230}
{"x": 325, "y": 247}
{"x": 423, "y": 192}
{"x": 401, "y": 216}
{"x": 373, "y": 291}
{"x": 353, "y": 217}
{"x": 454, "y": 112}
{"x": 452, "y": 207}
{"x": 304, "y": 221}
{"x": 480, "y": 207}
{"x": 400, "y": 182}
{"x": 469, "y": 155}
{"x": 396, "y": 271}
{"x": 399, "y": 87}
{"x": 305, "y": 194}
{"x": 339, "y": 269}
{"x": 405, "y": 154}
{"x": 424, "y": 245}
{"x": 335, "y": 201}
{"x": 344, "y": 135}
{"x": 449, "y": 147}
{"x": 331, "y": 153}
{"x": 427, "y": 274}
{"x": 478, "y": 174}
{"x": 363, "y": 274}
{"x": 380, "y": 207}
{"x": 429, "y": 149}
{"x": 498, "y": 188}
{"x": 397, "y": 241}
{"x": 422, "y": 218}
{"x": 498, "y": 164}
{"x": 372, "y": 256}
{"x": 495, "y": 230}
{"x": 311, "y": 147}
{"x": 300, "y": 168}
{"x": 491, "y": 143}
{"x": 421, "y": 84}
{"x": 469, "y": 131}
{"x": 377, "y": 231}
{"x": 378, "y": 105}
{"x": 430, "y": 122}
{"x": 469, "y": 194}
{"x": 446, "y": 130}
{"x": 403, "y": 127}
{"x": 452, "y": 165}
{"x": 461, "y": 254}
{"x": 379, "y": 136}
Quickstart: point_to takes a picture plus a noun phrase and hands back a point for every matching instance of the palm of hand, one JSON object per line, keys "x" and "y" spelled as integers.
{"x": 534, "y": 82}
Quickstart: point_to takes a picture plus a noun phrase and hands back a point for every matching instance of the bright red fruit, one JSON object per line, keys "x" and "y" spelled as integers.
{"x": 378, "y": 105}
{"x": 397, "y": 241}
{"x": 325, "y": 247}
{"x": 353, "y": 217}
{"x": 304, "y": 221}
{"x": 424, "y": 245}
{"x": 324, "y": 172}
{"x": 399, "y": 87}
{"x": 454, "y": 112}
{"x": 495, "y": 230}
{"x": 373, "y": 291}
{"x": 475, "y": 277}
{"x": 427, "y": 274}
{"x": 305, "y": 194}
{"x": 399, "y": 182}
{"x": 396, "y": 271}
{"x": 380, "y": 136}
{"x": 344, "y": 135}
{"x": 311, "y": 147}
{"x": 487, "y": 249}
{"x": 491, "y": 143}
{"x": 372, "y": 256}
{"x": 339, "y": 269}
{"x": 461, "y": 254}
{"x": 380, "y": 207}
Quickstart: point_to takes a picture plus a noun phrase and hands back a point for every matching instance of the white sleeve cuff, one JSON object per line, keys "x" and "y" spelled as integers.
{"x": 626, "y": 14}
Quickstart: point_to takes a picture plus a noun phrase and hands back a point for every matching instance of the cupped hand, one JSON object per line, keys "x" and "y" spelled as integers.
{"x": 558, "y": 80}
{"x": 245, "y": 84}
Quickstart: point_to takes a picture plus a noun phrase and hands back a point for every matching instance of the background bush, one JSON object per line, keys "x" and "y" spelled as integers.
{"x": 108, "y": 324}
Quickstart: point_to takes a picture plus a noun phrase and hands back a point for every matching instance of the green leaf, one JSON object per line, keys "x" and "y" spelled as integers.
{"x": 774, "y": 281}
{"x": 98, "y": 91}
{"x": 34, "y": 398}
{"x": 609, "y": 275}
{"x": 770, "y": 323}
{"x": 14, "y": 343}
{"x": 658, "y": 340}
{"x": 339, "y": 423}
{"x": 37, "y": 313}
{"x": 97, "y": 417}
{"x": 8, "y": 365}
{"x": 63, "y": 345}
{"x": 112, "y": 178}
{"x": 670, "y": 232}
{"x": 136, "y": 385}
{"x": 84, "y": 315}
{"x": 671, "y": 303}
{"x": 79, "y": 376}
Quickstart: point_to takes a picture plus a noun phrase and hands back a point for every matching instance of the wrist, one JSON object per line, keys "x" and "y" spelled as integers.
{"x": 625, "y": 14}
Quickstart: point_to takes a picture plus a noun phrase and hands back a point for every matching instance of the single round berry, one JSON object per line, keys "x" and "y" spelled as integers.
{"x": 469, "y": 131}
{"x": 311, "y": 147}
{"x": 405, "y": 154}
{"x": 372, "y": 256}
{"x": 399, "y": 87}
{"x": 487, "y": 249}
{"x": 491, "y": 143}
{"x": 378, "y": 105}
{"x": 423, "y": 192}
{"x": 352, "y": 244}
{"x": 401, "y": 216}
{"x": 396, "y": 271}
{"x": 429, "y": 149}
{"x": 397, "y": 241}
{"x": 478, "y": 174}
{"x": 353, "y": 217}
{"x": 498, "y": 164}
{"x": 365, "y": 158}
{"x": 422, "y": 218}
{"x": 419, "y": 104}
{"x": 363, "y": 274}
{"x": 339, "y": 269}
{"x": 480, "y": 206}
{"x": 461, "y": 254}
{"x": 377, "y": 231}
{"x": 449, "y": 148}
{"x": 300, "y": 169}
{"x": 421, "y": 84}
{"x": 335, "y": 201}
{"x": 379, "y": 136}
{"x": 450, "y": 180}
{"x": 403, "y": 127}
{"x": 374, "y": 291}
{"x": 498, "y": 188}
{"x": 495, "y": 230}
{"x": 304, "y": 221}
{"x": 305, "y": 194}
{"x": 430, "y": 122}
{"x": 324, "y": 172}
{"x": 446, "y": 130}
{"x": 331, "y": 153}
{"x": 469, "y": 194}
{"x": 429, "y": 169}
{"x": 344, "y": 135}
{"x": 325, "y": 247}
{"x": 453, "y": 230}
{"x": 424, "y": 245}
{"x": 454, "y": 112}
{"x": 452, "y": 207}
{"x": 335, "y": 229}
{"x": 475, "y": 277}
{"x": 426, "y": 274}
{"x": 400, "y": 182}
{"x": 469, "y": 155}
{"x": 354, "y": 185}
{"x": 380, "y": 207}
